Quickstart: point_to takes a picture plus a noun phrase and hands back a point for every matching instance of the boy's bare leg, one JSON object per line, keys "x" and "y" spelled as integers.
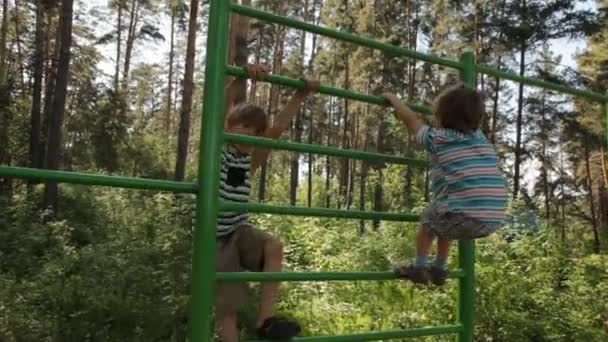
{"x": 438, "y": 270}
{"x": 443, "y": 248}
{"x": 424, "y": 239}
{"x": 273, "y": 262}
{"x": 227, "y": 328}
{"x": 417, "y": 272}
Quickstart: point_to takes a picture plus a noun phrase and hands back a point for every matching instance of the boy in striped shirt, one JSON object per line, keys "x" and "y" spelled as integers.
{"x": 468, "y": 191}
{"x": 240, "y": 245}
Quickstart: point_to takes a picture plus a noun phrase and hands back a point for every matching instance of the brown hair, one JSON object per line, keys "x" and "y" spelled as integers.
{"x": 459, "y": 108}
{"x": 248, "y": 115}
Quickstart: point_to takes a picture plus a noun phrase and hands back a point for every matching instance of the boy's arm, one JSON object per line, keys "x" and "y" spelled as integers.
{"x": 229, "y": 92}
{"x": 281, "y": 121}
{"x": 254, "y": 71}
{"x": 404, "y": 113}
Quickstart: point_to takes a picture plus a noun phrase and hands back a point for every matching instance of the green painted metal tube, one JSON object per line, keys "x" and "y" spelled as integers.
{"x": 466, "y": 290}
{"x": 540, "y": 83}
{"x": 207, "y": 203}
{"x": 386, "y": 335}
{"x": 466, "y": 249}
{"x": 325, "y": 150}
{"x": 344, "y": 93}
{"x": 318, "y": 212}
{"x": 93, "y": 179}
{"x": 314, "y": 276}
{"x": 341, "y": 35}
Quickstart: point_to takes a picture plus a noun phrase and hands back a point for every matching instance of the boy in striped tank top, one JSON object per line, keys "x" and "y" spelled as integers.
{"x": 240, "y": 245}
{"x": 468, "y": 191}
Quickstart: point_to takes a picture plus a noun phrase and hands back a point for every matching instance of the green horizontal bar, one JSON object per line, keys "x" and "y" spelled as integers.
{"x": 339, "y": 92}
{"x": 540, "y": 83}
{"x": 318, "y": 212}
{"x": 341, "y": 35}
{"x": 386, "y": 335}
{"x": 325, "y": 150}
{"x": 93, "y": 179}
{"x": 314, "y": 276}
{"x": 364, "y": 41}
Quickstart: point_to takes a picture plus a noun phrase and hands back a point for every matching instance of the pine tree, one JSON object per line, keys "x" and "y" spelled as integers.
{"x": 525, "y": 25}
{"x": 59, "y": 97}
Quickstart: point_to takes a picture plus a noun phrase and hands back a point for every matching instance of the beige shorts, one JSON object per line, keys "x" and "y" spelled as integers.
{"x": 242, "y": 250}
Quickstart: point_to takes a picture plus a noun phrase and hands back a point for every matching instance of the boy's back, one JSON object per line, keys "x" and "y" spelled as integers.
{"x": 465, "y": 176}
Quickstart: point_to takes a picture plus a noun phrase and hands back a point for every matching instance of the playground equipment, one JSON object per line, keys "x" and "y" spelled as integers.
{"x": 208, "y": 204}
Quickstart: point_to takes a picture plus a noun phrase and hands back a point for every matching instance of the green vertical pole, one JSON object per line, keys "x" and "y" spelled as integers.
{"x": 466, "y": 249}
{"x": 203, "y": 259}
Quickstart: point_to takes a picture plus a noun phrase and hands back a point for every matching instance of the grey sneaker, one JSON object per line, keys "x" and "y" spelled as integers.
{"x": 418, "y": 275}
{"x": 437, "y": 275}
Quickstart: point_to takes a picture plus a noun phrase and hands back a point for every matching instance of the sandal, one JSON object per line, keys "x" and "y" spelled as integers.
{"x": 278, "y": 328}
{"x": 438, "y": 275}
{"x": 418, "y": 275}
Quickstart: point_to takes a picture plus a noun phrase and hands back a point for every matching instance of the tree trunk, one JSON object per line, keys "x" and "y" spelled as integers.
{"x": 328, "y": 135}
{"x": 118, "y": 46}
{"x": 603, "y": 205}
{"x": 378, "y": 190}
{"x": 5, "y": 114}
{"x": 186, "y": 111}
{"x": 295, "y": 160}
{"x": 50, "y": 78}
{"x": 544, "y": 160}
{"x": 562, "y": 175}
{"x": 495, "y": 108}
{"x": 170, "y": 80}
{"x": 345, "y": 163}
{"x": 519, "y": 122}
{"x": 176, "y": 84}
{"x": 311, "y": 121}
{"x": 596, "y": 237}
{"x": 131, "y": 35}
{"x": 18, "y": 40}
{"x": 310, "y": 161}
{"x": 364, "y": 168}
{"x": 604, "y": 164}
{"x": 298, "y": 126}
{"x": 362, "y": 190}
{"x": 58, "y": 107}
{"x": 520, "y": 108}
{"x": 38, "y": 66}
{"x": 3, "y": 47}
{"x": 378, "y": 197}
{"x": 407, "y": 189}
{"x": 5, "y": 152}
{"x": 350, "y": 188}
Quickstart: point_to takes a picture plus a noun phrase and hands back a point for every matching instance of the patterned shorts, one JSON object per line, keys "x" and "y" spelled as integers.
{"x": 455, "y": 226}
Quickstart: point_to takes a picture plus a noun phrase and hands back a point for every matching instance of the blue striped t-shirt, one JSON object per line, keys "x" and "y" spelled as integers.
{"x": 464, "y": 174}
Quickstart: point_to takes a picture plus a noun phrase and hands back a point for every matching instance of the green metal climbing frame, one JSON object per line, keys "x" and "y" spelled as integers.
{"x": 208, "y": 204}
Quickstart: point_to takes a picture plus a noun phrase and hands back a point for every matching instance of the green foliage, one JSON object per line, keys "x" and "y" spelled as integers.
{"x": 115, "y": 267}
{"x": 101, "y": 273}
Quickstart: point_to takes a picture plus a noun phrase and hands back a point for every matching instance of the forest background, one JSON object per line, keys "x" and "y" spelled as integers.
{"x": 115, "y": 87}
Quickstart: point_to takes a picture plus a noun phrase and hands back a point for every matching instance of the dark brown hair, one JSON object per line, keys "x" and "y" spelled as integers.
{"x": 248, "y": 115}
{"x": 459, "y": 108}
